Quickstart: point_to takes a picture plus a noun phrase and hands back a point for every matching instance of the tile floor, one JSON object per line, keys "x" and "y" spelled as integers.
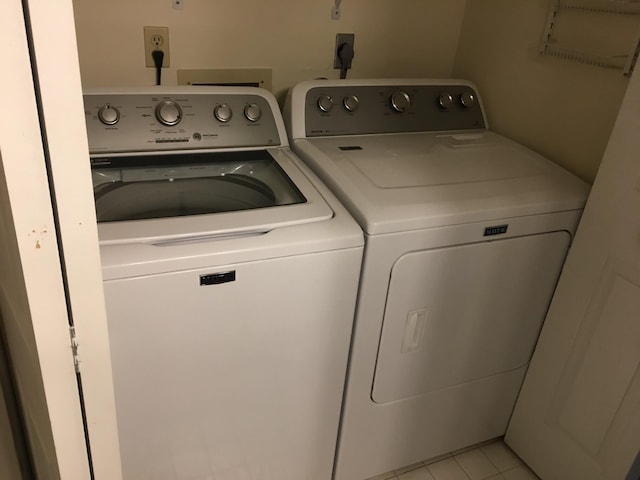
{"x": 489, "y": 461}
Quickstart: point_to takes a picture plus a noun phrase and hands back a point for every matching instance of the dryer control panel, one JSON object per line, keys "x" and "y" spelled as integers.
{"x": 377, "y": 107}
{"x": 180, "y": 119}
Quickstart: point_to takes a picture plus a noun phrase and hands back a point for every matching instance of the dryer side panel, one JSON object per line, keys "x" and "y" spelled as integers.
{"x": 459, "y": 314}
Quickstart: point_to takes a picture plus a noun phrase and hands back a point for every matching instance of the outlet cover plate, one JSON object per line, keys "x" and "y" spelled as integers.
{"x": 156, "y": 38}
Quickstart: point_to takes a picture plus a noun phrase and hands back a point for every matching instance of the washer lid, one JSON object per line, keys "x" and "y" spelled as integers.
{"x": 409, "y": 181}
{"x": 183, "y": 196}
{"x": 163, "y": 186}
{"x": 190, "y": 196}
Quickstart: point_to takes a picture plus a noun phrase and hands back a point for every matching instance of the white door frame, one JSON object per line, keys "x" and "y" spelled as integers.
{"x": 39, "y": 292}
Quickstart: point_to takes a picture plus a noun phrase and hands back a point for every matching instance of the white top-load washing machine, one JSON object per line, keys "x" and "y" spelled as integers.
{"x": 465, "y": 236}
{"x": 230, "y": 275}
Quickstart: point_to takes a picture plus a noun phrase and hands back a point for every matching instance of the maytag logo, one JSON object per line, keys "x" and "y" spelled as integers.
{"x": 99, "y": 162}
{"x": 495, "y": 230}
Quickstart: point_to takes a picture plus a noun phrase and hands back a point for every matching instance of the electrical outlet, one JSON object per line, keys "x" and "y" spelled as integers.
{"x": 156, "y": 38}
{"x": 341, "y": 38}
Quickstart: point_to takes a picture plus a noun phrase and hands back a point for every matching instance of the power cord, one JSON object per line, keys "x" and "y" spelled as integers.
{"x": 345, "y": 56}
{"x": 158, "y": 58}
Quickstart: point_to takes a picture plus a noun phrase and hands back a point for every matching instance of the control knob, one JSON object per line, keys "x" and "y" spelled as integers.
{"x": 168, "y": 113}
{"x": 325, "y": 103}
{"x": 252, "y": 112}
{"x": 467, "y": 99}
{"x": 445, "y": 100}
{"x": 108, "y": 115}
{"x": 400, "y": 101}
{"x": 223, "y": 112}
{"x": 351, "y": 103}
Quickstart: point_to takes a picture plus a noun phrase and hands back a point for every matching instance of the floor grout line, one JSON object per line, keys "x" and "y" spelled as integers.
{"x": 460, "y": 465}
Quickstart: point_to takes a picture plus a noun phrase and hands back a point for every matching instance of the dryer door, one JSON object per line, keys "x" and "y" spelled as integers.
{"x": 462, "y": 313}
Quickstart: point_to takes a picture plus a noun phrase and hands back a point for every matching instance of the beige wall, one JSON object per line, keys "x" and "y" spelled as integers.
{"x": 295, "y": 38}
{"x": 562, "y": 109}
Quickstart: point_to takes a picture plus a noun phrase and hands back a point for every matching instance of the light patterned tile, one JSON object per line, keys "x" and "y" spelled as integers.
{"x": 418, "y": 474}
{"x": 520, "y": 473}
{"x": 501, "y": 456}
{"x": 447, "y": 469}
{"x": 476, "y": 464}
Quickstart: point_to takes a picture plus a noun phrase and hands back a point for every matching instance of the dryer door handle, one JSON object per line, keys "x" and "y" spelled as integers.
{"x": 414, "y": 330}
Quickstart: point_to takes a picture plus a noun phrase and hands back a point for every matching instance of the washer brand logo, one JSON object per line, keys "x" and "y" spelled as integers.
{"x": 218, "y": 278}
{"x": 99, "y": 161}
{"x": 496, "y": 230}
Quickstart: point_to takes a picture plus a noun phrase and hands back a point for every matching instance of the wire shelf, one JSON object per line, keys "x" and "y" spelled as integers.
{"x": 603, "y": 33}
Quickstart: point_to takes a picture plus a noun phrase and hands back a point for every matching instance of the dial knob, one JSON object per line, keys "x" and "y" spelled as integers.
{"x": 325, "y": 103}
{"x": 400, "y": 101}
{"x": 467, "y": 99}
{"x": 108, "y": 115}
{"x": 252, "y": 112}
{"x": 351, "y": 103}
{"x": 168, "y": 113}
{"x": 223, "y": 112}
{"x": 445, "y": 100}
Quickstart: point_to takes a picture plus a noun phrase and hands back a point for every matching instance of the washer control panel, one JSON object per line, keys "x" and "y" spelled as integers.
{"x": 132, "y": 122}
{"x": 351, "y": 109}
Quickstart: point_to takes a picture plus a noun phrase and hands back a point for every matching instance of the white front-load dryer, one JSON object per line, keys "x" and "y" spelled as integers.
{"x": 230, "y": 275}
{"x": 465, "y": 236}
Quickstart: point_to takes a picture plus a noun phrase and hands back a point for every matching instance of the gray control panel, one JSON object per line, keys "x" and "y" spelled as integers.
{"x": 376, "y": 109}
{"x": 137, "y": 122}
